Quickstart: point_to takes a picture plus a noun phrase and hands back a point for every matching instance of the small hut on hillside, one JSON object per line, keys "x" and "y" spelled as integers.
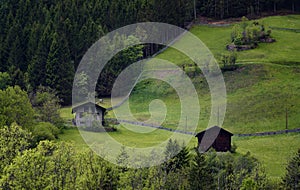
{"x": 87, "y": 113}
{"x": 214, "y": 137}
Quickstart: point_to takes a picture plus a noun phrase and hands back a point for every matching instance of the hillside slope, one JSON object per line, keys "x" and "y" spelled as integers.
{"x": 259, "y": 91}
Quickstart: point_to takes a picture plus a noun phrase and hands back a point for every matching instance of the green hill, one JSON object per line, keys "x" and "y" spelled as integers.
{"x": 259, "y": 92}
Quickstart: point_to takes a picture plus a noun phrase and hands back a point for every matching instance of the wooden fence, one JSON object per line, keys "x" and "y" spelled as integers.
{"x": 192, "y": 133}
{"x": 153, "y": 126}
{"x": 269, "y": 133}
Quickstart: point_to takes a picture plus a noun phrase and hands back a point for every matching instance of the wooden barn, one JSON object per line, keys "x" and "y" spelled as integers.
{"x": 87, "y": 113}
{"x": 214, "y": 137}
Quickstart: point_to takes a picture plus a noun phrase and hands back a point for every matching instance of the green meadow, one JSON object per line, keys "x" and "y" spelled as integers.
{"x": 284, "y": 51}
{"x": 260, "y": 92}
{"x": 273, "y": 152}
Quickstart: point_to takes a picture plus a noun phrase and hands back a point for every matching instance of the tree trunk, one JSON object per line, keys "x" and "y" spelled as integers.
{"x": 222, "y": 9}
{"x": 227, "y": 7}
{"x": 215, "y": 8}
{"x": 258, "y": 7}
{"x": 195, "y": 11}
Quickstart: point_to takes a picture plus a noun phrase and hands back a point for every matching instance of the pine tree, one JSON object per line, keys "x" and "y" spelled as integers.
{"x": 200, "y": 176}
{"x": 118, "y": 62}
{"x": 123, "y": 159}
{"x": 176, "y": 159}
{"x": 10, "y": 44}
{"x": 37, "y": 67}
{"x": 18, "y": 77}
{"x": 34, "y": 37}
{"x": 291, "y": 179}
{"x": 60, "y": 68}
{"x": 16, "y": 55}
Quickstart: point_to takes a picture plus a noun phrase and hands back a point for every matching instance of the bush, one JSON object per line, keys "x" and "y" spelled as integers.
{"x": 13, "y": 141}
{"x": 229, "y": 61}
{"x": 44, "y": 131}
{"x": 47, "y": 105}
{"x": 5, "y": 80}
{"x": 249, "y": 34}
{"x": 15, "y": 107}
{"x": 233, "y": 148}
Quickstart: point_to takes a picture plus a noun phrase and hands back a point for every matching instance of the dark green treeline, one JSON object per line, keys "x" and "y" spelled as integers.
{"x": 42, "y": 42}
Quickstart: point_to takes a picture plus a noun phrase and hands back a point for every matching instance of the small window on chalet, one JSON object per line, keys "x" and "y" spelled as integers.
{"x": 86, "y": 108}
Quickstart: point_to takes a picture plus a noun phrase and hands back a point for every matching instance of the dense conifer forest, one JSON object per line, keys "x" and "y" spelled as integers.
{"x": 42, "y": 42}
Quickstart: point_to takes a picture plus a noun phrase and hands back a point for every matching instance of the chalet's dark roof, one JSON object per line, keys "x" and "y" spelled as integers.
{"x": 214, "y": 128}
{"x": 87, "y": 103}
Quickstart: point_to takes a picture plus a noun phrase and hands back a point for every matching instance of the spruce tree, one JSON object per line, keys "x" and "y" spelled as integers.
{"x": 10, "y": 43}
{"x": 16, "y": 56}
{"x": 60, "y": 68}
{"x": 291, "y": 180}
{"x": 200, "y": 176}
{"x": 37, "y": 67}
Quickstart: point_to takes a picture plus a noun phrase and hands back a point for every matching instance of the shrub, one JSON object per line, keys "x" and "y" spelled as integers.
{"x": 13, "y": 141}
{"x": 233, "y": 148}
{"x": 15, "y": 107}
{"x": 44, "y": 131}
{"x": 47, "y": 105}
{"x": 250, "y": 34}
{"x": 229, "y": 61}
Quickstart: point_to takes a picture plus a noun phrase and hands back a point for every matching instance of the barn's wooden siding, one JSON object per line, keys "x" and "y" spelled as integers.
{"x": 221, "y": 142}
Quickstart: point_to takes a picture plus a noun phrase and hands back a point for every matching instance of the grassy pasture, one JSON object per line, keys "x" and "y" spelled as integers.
{"x": 284, "y": 51}
{"x": 272, "y": 151}
{"x": 258, "y": 94}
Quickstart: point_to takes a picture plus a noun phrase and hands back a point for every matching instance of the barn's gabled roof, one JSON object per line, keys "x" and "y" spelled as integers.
{"x": 87, "y": 103}
{"x": 214, "y": 129}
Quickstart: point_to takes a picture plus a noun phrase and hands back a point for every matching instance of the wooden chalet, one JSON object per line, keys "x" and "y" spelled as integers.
{"x": 87, "y": 113}
{"x": 216, "y": 138}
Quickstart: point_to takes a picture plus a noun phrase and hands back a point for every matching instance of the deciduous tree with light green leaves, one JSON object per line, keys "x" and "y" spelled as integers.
{"x": 13, "y": 141}
{"x": 15, "y": 107}
{"x": 5, "y": 80}
{"x": 46, "y": 103}
{"x": 58, "y": 166}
